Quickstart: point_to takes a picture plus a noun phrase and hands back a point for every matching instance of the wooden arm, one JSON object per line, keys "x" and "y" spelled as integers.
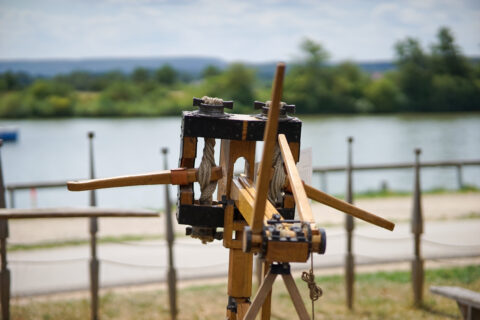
{"x": 269, "y": 138}
{"x": 338, "y": 204}
{"x": 180, "y": 176}
{"x": 296, "y": 183}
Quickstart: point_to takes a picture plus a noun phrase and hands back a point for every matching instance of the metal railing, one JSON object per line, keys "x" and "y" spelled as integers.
{"x": 458, "y": 164}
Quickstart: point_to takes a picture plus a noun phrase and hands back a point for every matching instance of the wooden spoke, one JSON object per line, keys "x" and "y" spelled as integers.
{"x": 296, "y": 183}
{"x": 338, "y": 204}
{"x": 269, "y": 138}
{"x": 180, "y": 176}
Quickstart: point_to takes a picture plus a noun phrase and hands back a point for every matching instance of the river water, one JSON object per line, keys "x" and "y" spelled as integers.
{"x": 57, "y": 150}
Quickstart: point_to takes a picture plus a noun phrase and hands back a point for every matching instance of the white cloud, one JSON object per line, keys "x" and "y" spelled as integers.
{"x": 234, "y": 30}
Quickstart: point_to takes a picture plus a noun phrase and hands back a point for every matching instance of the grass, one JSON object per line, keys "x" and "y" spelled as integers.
{"x": 380, "y": 295}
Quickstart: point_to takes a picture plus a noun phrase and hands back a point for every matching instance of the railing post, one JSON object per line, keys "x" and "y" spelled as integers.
{"x": 11, "y": 193}
{"x": 323, "y": 181}
{"x": 349, "y": 226}
{"x": 460, "y": 176}
{"x": 94, "y": 264}
{"x": 171, "y": 273}
{"x": 5, "y": 272}
{"x": 417, "y": 230}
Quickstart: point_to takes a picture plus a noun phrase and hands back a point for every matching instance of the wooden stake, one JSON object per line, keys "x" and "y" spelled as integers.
{"x": 269, "y": 138}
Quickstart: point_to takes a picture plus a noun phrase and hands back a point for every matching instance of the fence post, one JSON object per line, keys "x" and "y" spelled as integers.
{"x": 171, "y": 273}
{"x": 323, "y": 181}
{"x": 417, "y": 230}
{"x": 5, "y": 272}
{"x": 11, "y": 193}
{"x": 349, "y": 226}
{"x": 94, "y": 264}
{"x": 460, "y": 176}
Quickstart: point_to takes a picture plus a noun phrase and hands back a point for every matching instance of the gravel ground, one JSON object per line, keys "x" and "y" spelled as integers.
{"x": 435, "y": 207}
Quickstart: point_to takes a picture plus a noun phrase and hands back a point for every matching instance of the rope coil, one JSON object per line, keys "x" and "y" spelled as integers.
{"x": 315, "y": 291}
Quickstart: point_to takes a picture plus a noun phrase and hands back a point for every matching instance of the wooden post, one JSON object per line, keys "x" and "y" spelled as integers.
{"x": 459, "y": 177}
{"x": 323, "y": 181}
{"x": 349, "y": 226}
{"x": 94, "y": 264}
{"x": 5, "y": 272}
{"x": 417, "y": 230}
{"x": 171, "y": 273}
{"x": 11, "y": 197}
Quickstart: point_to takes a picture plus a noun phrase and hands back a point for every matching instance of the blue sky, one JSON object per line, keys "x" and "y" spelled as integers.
{"x": 262, "y": 30}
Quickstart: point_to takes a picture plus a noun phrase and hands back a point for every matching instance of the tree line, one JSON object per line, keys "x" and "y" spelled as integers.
{"x": 440, "y": 79}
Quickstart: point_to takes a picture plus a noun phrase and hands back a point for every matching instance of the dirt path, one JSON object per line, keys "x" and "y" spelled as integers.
{"x": 435, "y": 207}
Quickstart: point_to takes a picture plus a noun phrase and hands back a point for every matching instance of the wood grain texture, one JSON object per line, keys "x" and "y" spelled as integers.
{"x": 262, "y": 293}
{"x": 72, "y": 213}
{"x": 296, "y": 297}
{"x": 240, "y": 270}
{"x": 160, "y": 177}
{"x": 269, "y": 138}
{"x": 343, "y": 206}
{"x": 296, "y": 183}
{"x": 287, "y": 251}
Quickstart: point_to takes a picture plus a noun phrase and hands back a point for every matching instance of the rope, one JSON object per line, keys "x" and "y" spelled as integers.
{"x": 207, "y": 187}
{"x": 275, "y": 194}
{"x": 451, "y": 244}
{"x": 315, "y": 291}
{"x": 71, "y": 260}
{"x": 212, "y": 101}
{"x": 269, "y": 103}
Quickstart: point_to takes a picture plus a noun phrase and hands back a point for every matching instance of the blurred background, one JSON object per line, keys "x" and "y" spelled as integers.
{"x": 394, "y": 75}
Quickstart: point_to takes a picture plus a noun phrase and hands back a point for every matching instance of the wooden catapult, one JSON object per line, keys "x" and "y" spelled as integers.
{"x": 256, "y": 212}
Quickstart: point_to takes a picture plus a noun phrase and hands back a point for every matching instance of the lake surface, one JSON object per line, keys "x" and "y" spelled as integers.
{"x": 58, "y": 150}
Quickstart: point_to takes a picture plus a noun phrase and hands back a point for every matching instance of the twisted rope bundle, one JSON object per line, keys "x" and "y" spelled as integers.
{"x": 275, "y": 194}
{"x": 208, "y": 187}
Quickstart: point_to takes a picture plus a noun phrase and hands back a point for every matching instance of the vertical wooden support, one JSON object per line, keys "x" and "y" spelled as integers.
{"x": 171, "y": 272}
{"x": 459, "y": 177}
{"x": 417, "y": 230}
{"x": 349, "y": 226}
{"x": 5, "y": 272}
{"x": 94, "y": 264}
{"x": 267, "y": 303}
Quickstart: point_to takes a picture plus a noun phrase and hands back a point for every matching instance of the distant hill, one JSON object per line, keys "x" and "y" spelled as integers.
{"x": 191, "y": 65}
{"x": 52, "y": 67}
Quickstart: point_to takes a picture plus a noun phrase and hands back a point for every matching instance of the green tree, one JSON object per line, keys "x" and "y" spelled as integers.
{"x": 414, "y": 75}
{"x": 140, "y": 75}
{"x": 237, "y": 83}
{"x": 211, "y": 71}
{"x": 166, "y": 75}
{"x": 384, "y": 95}
{"x": 447, "y": 56}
